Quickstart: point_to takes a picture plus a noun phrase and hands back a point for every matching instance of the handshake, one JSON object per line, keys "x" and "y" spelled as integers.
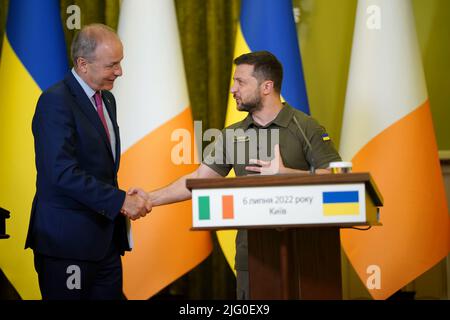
{"x": 137, "y": 204}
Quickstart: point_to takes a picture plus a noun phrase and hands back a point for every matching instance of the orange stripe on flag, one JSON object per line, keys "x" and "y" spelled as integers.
{"x": 228, "y": 207}
{"x": 164, "y": 247}
{"x": 404, "y": 162}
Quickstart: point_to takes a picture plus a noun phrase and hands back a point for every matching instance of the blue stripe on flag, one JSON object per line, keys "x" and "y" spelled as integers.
{"x": 35, "y": 32}
{"x": 341, "y": 197}
{"x": 269, "y": 25}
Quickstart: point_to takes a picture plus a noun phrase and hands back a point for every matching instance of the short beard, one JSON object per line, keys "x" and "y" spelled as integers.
{"x": 251, "y": 106}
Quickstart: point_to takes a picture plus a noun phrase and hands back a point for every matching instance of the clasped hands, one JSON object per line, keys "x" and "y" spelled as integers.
{"x": 136, "y": 205}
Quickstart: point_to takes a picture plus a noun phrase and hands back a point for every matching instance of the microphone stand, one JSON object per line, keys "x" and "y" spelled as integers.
{"x": 312, "y": 169}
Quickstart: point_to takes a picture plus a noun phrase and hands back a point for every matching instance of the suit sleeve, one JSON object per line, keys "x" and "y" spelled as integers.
{"x": 55, "y": 133}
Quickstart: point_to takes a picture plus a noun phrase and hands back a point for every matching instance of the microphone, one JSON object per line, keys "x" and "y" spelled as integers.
{"x": 312, "y": 169}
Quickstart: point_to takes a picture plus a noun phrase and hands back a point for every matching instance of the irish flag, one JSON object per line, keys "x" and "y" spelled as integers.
{"x": 153, "y": 105}
{"x": 204, "y": 207}
{"x": 388, "y": 131}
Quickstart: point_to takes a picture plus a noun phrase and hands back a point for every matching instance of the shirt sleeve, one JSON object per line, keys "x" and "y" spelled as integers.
{"x": 216, "y": 156}
{"x": 322, "y": 150}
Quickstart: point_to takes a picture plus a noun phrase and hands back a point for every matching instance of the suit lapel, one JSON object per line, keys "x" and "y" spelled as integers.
{"x": 111, "y": 109}
{"x": 88, "y": 109}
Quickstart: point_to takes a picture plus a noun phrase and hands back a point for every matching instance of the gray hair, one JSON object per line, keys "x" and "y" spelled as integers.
{"x": 86, "y": 40}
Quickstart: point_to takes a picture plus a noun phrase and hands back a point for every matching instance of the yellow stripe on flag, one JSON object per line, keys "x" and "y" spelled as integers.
{"x": 341, "y": 209}
{"x": 233, "y": 115}
{"x": 18, "y": 97}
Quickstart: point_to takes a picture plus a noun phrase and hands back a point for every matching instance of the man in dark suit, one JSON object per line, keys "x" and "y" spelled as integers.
{"x": 79, "y": 219}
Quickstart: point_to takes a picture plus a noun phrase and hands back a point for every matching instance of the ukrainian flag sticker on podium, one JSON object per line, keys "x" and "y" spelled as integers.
{"x": 341, "y": 203}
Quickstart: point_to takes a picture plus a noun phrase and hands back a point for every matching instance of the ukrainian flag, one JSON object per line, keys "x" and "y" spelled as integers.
{"x": 341, "y": 203}
{"x": 33, "y": 58}
{"x": 267, "y": 25}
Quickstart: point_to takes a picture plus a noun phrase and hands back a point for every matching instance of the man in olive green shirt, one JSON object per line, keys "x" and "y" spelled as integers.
{"x": 273, "y": 139}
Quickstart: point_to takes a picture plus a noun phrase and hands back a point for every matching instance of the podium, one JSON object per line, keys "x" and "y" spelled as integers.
{"x": 293, "y": 224}
{"x": 4, "y": 214}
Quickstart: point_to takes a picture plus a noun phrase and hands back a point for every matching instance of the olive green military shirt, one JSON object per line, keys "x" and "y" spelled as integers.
{"x": 247, "y": 140}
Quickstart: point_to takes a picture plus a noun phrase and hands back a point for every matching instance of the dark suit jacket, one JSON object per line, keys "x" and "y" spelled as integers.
{"x": 76, "y": 209}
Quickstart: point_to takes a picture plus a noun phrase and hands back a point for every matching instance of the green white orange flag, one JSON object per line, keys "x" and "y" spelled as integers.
{"x": 388, "y": 131}
{"x": 153, "y": 103}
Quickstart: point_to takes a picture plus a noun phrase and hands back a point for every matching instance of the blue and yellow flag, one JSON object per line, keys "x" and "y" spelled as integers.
{"x": 33, "y": 58}
{"x": 341, "y": 203}
{"x": 267, "y": 25}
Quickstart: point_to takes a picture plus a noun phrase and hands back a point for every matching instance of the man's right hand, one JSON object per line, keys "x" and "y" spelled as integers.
{"x": 136, "y": 206}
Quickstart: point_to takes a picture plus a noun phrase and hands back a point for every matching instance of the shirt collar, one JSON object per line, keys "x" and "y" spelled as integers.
{"x": 86, "y": 88}
{"x": 282, "y": 119}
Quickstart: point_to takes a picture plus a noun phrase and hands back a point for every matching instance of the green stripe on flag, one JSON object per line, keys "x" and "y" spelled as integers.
{"x": 203, "y": 208}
